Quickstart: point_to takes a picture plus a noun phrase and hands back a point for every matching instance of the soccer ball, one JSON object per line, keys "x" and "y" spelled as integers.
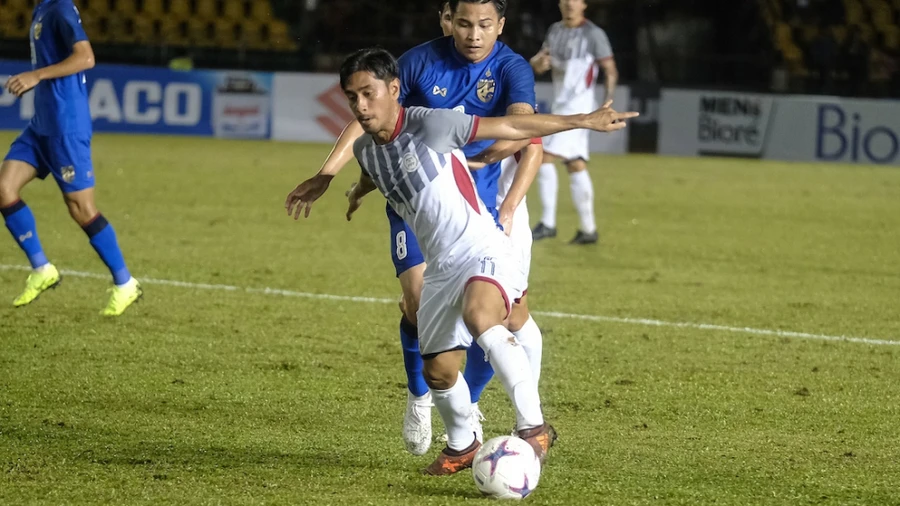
{"x": 506, "y": 468}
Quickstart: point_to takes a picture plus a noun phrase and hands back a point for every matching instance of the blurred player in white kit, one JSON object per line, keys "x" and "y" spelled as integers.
{"x": 574, "y": 50}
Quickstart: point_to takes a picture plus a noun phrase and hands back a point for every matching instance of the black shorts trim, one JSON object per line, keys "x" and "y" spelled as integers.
{"x": 431, "y": 356}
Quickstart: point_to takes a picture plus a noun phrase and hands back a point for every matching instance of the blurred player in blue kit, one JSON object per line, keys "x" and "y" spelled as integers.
{"x": 57, "y": 142}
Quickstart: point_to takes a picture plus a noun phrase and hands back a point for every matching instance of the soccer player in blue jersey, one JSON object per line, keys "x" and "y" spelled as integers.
{"x": 469, "y": 71}
{"x": 58, "y": 142}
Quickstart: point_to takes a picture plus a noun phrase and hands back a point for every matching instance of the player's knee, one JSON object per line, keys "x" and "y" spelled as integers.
{"x": 410, "y": 308}
{"x": 518, "y": 317}
{"x": 14, "y": 175}
{"x": 438, "y": 377}
{"x": 8, "y": 194}
{"x": 576, "y": 166}
{"x": 483, "y": 307}
{"x": 440, "y": 381}
{"x": 82, "y": 211}
{"x": 411, "y": 281}
{"x": 410, "y": 316}
{"x": 479, "y": 320}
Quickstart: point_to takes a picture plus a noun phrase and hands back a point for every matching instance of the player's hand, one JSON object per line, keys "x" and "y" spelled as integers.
{"x": 506, "y": 218}
{"x": 541, "y": 62}
{"x": 473, "y": 165}
{"x": 307, "y": 192}
{"x": 20, "y": 84}
{"x": 354, "y": 200}
{"x": 606, "y": 119}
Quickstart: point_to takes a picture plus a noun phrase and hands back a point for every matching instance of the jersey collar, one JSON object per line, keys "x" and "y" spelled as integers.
{"x": 401, "y": 119}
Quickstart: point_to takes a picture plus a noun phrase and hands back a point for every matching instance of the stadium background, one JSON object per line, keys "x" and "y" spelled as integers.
{"x": 731, "y": 340}
{"x": 845, "y": 48}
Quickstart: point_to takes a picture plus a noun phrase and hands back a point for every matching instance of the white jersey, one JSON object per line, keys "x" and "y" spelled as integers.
{"x": 574, "y": 53}
{"x": 424, "y": 176}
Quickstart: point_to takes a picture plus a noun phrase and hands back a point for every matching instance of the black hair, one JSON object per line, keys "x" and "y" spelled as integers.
{"x": 500, "y": 5}
{"x": 441, "y": 4}
{"x": 379, "y": 62}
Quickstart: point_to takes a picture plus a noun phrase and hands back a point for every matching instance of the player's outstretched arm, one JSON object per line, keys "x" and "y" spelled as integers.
{"x": 307, "y": 192}
{"x": 503, "y": 149}
{"x": 524, "y": 127}
{"x": 342, "y": 152}
{"x": 81, "y": 59}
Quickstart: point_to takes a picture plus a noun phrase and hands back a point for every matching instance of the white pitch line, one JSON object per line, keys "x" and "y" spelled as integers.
{"x": 724, "y": 328}
{"x": 224, "y": 288}
{"x": 550, "y": 314}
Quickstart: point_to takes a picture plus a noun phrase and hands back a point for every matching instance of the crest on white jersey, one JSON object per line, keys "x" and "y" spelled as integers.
{"x": 460, "y": 108}
{"x": 410, "y": 162}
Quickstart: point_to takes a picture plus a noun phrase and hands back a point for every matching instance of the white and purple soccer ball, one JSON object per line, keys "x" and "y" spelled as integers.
{"x": 506, "y": 467}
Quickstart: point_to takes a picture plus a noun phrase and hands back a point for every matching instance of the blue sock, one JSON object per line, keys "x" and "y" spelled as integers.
{"x": 478, "y": 371}
{"x": 103, "y": 239}
{"x": 21, "y": 225}
{"x": 412, "y": 358}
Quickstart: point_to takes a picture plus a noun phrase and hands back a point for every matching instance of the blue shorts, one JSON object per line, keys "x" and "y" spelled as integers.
{"x": 405, "y": 251}
{"x": 67, "y": 157}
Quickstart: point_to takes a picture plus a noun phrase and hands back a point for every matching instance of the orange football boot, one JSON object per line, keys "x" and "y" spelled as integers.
{"x": 451, "y": 461}
{"x": 540, "y": 438}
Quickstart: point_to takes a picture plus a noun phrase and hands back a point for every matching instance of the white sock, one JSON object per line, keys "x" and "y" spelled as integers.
{"x": 549, "y": 186}
{"x": 455, "y": 405}
{"x": 510, "y": 363}
{"x": 583, "y": 197}
{"x": 130, "y": 281}
{"x": 425, "y": 399}
{"x": 530, "y": 337}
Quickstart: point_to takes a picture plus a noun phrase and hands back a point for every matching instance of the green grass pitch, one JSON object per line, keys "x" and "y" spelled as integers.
{"x": 229, "y": 396}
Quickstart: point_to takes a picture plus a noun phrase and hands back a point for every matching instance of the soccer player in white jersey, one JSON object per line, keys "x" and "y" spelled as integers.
{"x": 469, "y": 70}
{"x": 574, "y": 50}
{"x": 413, "y": 157}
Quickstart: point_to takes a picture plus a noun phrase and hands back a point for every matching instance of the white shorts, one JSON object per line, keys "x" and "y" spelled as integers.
{"x": 570, "y": 145}
{"x": 441, "y": 326}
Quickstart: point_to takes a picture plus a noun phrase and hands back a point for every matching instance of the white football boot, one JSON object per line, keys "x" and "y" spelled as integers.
{"x": 417, "y": 424}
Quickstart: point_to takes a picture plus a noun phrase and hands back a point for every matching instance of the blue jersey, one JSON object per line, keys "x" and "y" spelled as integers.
{"x": 60, "y": 105}
{"x": 436, "y": 75}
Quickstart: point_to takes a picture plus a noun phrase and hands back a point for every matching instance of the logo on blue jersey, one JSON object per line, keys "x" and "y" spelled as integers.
{"x": 38, "y": 28}
{"x": 439, "y": 91}
{"x": 486, "y": 87}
